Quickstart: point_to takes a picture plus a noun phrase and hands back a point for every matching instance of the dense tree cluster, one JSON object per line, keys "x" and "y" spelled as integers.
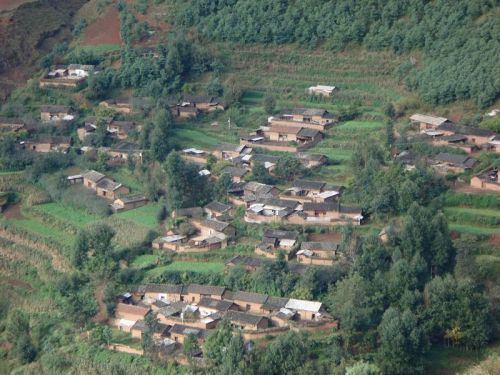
{"x": 458, "y": 37}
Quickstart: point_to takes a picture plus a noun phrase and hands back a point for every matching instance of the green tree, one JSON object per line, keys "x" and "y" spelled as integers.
{"x": 150, "y": 327}
{"x": 288, "y": 168}
{"x": 285, "y": 354}
{"x": 162, "y": 214}
{"x": 269, "y": 104}
{"x": 160, "y": 137}
{"x": 24, "y": 350}
{"x": 215, "y": 88}
{"x": 217, "y": 343}
{"x": 190, "y": 346}
{"x": 402, "y": 343}
{"x": 18, "y": 324}
{"x": 390, "y": 111}
{"x": 362, "y": 368}
{"x": 260, "y": 174}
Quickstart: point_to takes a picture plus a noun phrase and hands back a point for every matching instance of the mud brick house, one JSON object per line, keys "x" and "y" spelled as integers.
{"x": 91, "y": 178}
{"x": 209, "y": 306}
{"x": 274, "y": 241}
{"x": 194, "y": 155}
{"x": 454, "y": 140}
{"x": 123, "y": 151}
{"x": 273, "y": 304}
{"x": 245, "y": 194}
{"x": 237, "y": 174}
{"x": 452, "y": 163}
{"x": 128, "y": 202}
{"x": 269, "y": 210}
{"x": 48, "y": 144}
{"x": 137, "y": 330}
{"x": 244, "y": 321}
{"x": 269, "y": 161}
{"x": 317, "y": 253}
{"x": 312, "y": 191}
{"x": 11, "y": 123}
{"x": 122, "y": 129}
{"x": 127, "y": 315}
{"x": 193, "y": 293}
{"x": 309, "y": 118}
{"x": 311, "y": 161}
{"x": 180, "y": 332}
{"x": 55, "y": 113}
{"x": 186, "y": 112}
{"x": 103, "y": 186}
{"x": 326, "y": 214}
{"x": 247, "y": 301}
{"x": 229, "y": 151}
{"x": 210, "y": 227}
{"x": 67, "y": 76}
{"x": 282, "y": 138}
{"x": 216, "y": 210}
{"x": 248, "y": 263}
{"x": 494, "y": 144}
{"x": 425, "y": 122}
{"x": 488, "y": 180}
{"x": 174, "y": 242}
{"x": 120, "y": 104}
{"x": 306, "y": 310}
{"x": 203, "y": 103}
{"x": 162, "y": 292}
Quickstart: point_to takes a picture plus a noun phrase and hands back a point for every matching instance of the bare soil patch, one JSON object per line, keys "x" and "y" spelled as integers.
{"x": 13, "y": 211}
{"x": 495, "y": 240}
{"x": 17, "y": 283}
{"x": 12, "y": 4}
{"x": 105, "y": 29}
{"x": 462, "y": 187}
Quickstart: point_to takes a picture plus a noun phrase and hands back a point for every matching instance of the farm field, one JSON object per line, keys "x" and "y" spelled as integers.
{"x": 68, "y": 214}
{"x": 199, "y": 267}
{"x": 474, "y": 229}
{"x": 36, "y": 226}
{"x": 145, "y": 215}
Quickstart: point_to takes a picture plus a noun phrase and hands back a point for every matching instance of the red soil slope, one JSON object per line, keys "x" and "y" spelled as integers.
{"x": 104, "y": 30}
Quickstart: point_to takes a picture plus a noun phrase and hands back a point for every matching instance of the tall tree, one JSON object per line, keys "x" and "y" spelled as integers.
{"x": 160, "y": 137}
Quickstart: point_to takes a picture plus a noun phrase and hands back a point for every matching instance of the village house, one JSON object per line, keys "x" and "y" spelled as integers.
{"x": 128, "y": 203}
{"x": 494, "y": 144}
{"x": 168, "y": 293}
{"x": 306, "y": 310}
{"x": 273, "y": 304}
{"x": 216, "y": 210}
{"x": 321, "y": 90}
{"x": 426, "y": 122}
{"x": 269, "y": 210}
{"x": 122, "y": 129}
{"x": 311, "y": 161}
{"x": 180, "y": 332}
{"x": 137, "y": 330}
{"x": 455, "y": 140}
{"x": 275, "y": 241}
{"x": 325, "y": 214}
{"x": 208, "y": 306}
{"x": 268, "y": 161}
{"x": 120, "y": 104}
{"x": 452, "y": 163}
{"x": 195, "y": 292}
{"x": 173, "y": 242}
{"x": 311, "y": 191}
{"x": 127, "y": 315}
{"x": 203, "y": 103}
{"x": 228, "y": 151}
{"x": 67, "y": 76}
{"x": 103, "y": 186}
{"x": 317, "y": 253}
{"x": 210, "y": 227}
{"x": 11, "y": 123}
{"x": 122, "y": 151}
{"x": 248, "y": 263}
{"x": 488, "y": 180}
{"x": 282, "y": 138}
{"x": 185, "y": 112}
{"x": 247, "y": 301}
{"x": 56, "y": 113}
{"x": 243, "y": 321}
{"x": 237, "y": 174}
{"x": 244, "y": 194}
{"x": 194, "y": 155}
{"x": 48, "y": 144}
{"x": 308, "y": 118}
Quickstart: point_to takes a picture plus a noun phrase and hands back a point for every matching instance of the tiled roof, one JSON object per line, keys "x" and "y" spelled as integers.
{"x": 238, "y": 316}
{"x": 206, "y": 289}
{"x": 218, "y": 207}
{"x": 250, "y": 297}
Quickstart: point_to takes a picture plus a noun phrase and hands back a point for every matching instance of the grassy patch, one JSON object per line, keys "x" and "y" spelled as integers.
{"x": 186, "y": 137}
{"x": 100, "y": 49}
{"x": 465, "y": 228}
{"x": 126, "y": 177}
{"x": 145, "y": 215}
{"x": 200, "y": 267}
{"x": 145, "y": 260}
{"x": 490, "y": 265}
{"x": 44, "y": 230}
{"x": 68, "y": 214}
{"x": 474, "y": 211}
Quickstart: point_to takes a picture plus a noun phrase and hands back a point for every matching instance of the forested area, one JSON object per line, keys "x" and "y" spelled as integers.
{"x": 458, "y": 38}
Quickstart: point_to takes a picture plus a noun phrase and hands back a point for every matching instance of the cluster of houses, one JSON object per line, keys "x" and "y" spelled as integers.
{"x": 291, "y": 131}
{"x": 191, "y": 106}
{"x": 71, "y": 75}
{"x": 274, "y": 242}
{"x": 441, "y": 131}
{"x": 193, "y": 310}
{"x": 107, "y": 188}
{"x": 117, "y": 129}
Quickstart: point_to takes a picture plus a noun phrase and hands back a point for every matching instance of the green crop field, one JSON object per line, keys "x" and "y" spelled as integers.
{"x": 200, "y": 267}
{"x": 68, "y": 214}
{"x": 474, "y": 211}
{"x": 36, "y": 226}
{"x": 144, "y": 261}
{"x": 145, "y": 215}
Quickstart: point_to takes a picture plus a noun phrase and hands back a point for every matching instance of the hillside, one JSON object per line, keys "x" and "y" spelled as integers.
{"x": 28, "y": 31}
